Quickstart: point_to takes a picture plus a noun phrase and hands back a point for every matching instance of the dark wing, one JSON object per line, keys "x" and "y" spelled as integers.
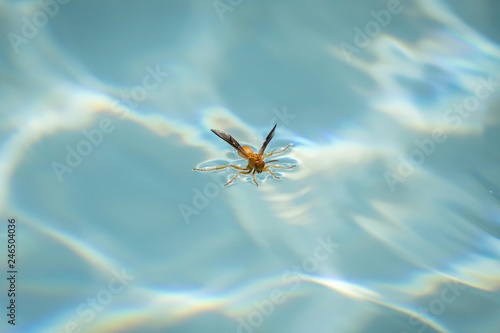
{"x": 268, "y": 139}
{"x": 229, "y": 139}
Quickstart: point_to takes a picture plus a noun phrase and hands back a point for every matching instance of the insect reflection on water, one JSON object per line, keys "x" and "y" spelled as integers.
{"x": 256, "y": 162}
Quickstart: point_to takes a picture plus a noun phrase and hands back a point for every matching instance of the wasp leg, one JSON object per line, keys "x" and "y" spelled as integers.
{"x": 236, "y": 175}
{"x": 273, "y": 174}
{"x": 277, "y": 166}
{"x": 220, "y": 167}
{"x": 278, "y": 151}
{"x": 254, "y": 180}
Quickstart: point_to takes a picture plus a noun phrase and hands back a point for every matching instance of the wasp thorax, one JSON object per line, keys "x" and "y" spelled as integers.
{"x": 247, "y": 150}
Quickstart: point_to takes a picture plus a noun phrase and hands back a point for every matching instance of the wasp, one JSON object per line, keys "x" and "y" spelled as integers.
{"x": 256, "y": 162}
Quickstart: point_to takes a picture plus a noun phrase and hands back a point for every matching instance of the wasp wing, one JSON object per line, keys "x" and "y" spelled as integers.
{"x": 268, "y": 139}
{"x": 232, "y": 141}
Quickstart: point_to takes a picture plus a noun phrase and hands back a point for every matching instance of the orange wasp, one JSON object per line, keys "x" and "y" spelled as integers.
{"x": 256, "y": 161}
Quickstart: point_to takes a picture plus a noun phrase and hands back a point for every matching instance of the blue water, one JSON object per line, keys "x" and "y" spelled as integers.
{"x": 390, "y": 222}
